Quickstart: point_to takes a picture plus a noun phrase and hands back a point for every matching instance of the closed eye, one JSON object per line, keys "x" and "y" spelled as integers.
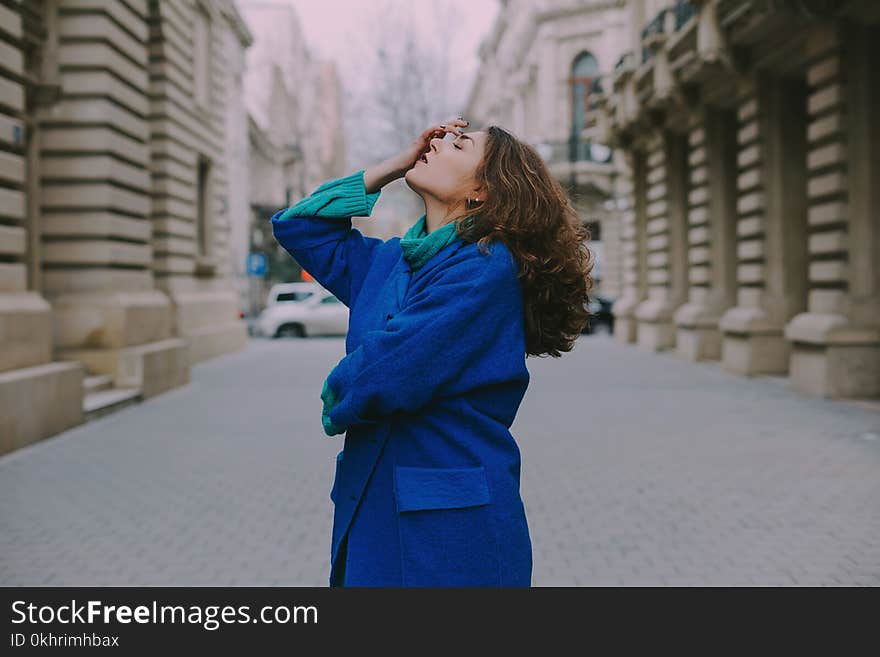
{"x": 458, "y": 147}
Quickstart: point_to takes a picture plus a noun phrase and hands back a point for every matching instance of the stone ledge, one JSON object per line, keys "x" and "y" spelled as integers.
{"x": 625, "y": 306}
{"x": 26, "y": 330}
{"x": 111, "y": 319}
{"x": 201, "y": 311}
{"x": 696, "y": 316}
{"x": 153, "y": 367}
{"x": 829, "y": 329}
{"x": 751, "y": 354}
{"x": 103, "y": 402}
{"x": 213, "y": 341}
{"x": 836, "y": 371}
{"x": 39, "y": 402}
{"x": 748, "y": 321}
{"x": 654, "y": 311}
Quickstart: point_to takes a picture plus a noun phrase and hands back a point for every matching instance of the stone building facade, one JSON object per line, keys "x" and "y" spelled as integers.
{"x": 543, "y": 66}
{"x": 752, "y": 149}
{"x": 114, "y": 204}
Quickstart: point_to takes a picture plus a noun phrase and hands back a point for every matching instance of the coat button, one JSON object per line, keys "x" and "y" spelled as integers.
{"x": 389, "y": 316}
{"x": 352, "y": 497}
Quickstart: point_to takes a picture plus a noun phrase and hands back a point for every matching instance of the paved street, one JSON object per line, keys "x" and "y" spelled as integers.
{"x": 638, "y": 469}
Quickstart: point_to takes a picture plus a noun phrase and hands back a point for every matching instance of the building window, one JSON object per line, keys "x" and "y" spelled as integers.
{"x": 203, "y": 241}
{"x": 202, "y": 57}
{"x": 583, "y": 74}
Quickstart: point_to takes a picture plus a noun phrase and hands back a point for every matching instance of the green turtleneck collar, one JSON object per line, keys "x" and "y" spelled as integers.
{"x": 419, "y": 246}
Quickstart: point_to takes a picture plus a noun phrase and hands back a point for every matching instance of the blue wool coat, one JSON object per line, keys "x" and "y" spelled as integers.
{"x": 427, "y": 486}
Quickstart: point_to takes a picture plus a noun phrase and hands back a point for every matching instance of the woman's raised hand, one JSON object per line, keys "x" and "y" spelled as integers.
{"x": 422, "y": 144}
{"x": 396, "y": 166}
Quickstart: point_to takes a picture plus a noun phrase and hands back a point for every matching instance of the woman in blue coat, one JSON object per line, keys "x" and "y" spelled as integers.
{"x": 427, "y": 486}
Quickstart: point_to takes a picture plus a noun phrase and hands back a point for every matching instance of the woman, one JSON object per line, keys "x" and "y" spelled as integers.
{"x": 441, "y": 321}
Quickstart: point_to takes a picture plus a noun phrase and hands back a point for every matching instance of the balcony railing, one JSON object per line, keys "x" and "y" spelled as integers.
{"x": 670, "y": 19}
{"x": 683, "y": 11}
{"x": 656, "y": 25}
{"x": 625, "y": 61}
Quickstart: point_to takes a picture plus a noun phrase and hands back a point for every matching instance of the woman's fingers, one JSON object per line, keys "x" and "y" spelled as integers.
{"x": 450, "y": 126}
{"x": 453, "y": 126}
{"x": 439, "y": 131}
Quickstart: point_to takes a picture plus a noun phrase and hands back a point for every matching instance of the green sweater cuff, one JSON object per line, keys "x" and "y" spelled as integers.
{"x": 344, "y": 197}
{"x": 329, "y": 399}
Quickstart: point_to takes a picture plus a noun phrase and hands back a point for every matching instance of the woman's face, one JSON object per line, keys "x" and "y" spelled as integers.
{"x": 448, "y": 175}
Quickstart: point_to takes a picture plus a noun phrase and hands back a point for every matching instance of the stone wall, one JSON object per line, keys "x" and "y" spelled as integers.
{"x": 114, "y": 255}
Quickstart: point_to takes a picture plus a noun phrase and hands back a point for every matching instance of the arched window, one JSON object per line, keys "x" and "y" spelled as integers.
{"x": 583, "y": 72}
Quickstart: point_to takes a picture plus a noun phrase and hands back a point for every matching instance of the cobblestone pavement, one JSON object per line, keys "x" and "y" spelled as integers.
{"x": 638, "y": 469}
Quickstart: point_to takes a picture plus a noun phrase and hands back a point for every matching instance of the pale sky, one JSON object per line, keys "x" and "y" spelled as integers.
{"x": 335, "y": 28}
{"x": 330, "y": 24}
{"x": 362, "y": 36}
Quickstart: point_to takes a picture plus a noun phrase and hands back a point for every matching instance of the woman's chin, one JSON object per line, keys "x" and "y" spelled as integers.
{"x": 411, "y": 177}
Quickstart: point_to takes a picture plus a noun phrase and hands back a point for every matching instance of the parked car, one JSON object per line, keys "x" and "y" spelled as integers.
{"x": 318, "y": 313}
{"x": 286, "y": 292}
{"x": 601, "y": 316}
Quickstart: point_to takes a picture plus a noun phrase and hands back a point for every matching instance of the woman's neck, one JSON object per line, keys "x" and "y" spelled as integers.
{"x": 436, "y": 213}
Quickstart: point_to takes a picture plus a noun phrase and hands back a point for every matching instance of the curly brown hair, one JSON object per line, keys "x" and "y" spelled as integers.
{"x": 529, "y": 211}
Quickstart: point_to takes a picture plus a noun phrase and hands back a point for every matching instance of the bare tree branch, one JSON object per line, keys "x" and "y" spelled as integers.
{"x": 405, "y": 81}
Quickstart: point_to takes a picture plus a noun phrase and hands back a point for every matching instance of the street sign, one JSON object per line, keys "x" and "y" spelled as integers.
{"x": 256, "y": 264}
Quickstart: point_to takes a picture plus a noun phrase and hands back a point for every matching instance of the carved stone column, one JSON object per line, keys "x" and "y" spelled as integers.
{"x": 771, "y": 226}
{"x": 666, "y": 213}
{"x": 633, "y": 248}
{"x": 711, "y": 234}
{"x": 836, "y": 342}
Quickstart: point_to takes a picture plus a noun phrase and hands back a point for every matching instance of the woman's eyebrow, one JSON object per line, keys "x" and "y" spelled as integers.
{"x": 463, "y": 136}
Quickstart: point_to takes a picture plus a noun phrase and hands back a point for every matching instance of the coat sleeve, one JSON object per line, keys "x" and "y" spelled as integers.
{"x": 317, "y": 232}
{"x": 453, "y": 335}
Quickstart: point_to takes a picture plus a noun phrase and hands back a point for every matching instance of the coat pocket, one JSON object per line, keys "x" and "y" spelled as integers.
{"x": 444, "y": 519}
{"x": 336, "y": 476}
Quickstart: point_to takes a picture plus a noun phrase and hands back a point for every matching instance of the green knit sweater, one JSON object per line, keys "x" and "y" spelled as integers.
{"x": 419, "y": 246}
